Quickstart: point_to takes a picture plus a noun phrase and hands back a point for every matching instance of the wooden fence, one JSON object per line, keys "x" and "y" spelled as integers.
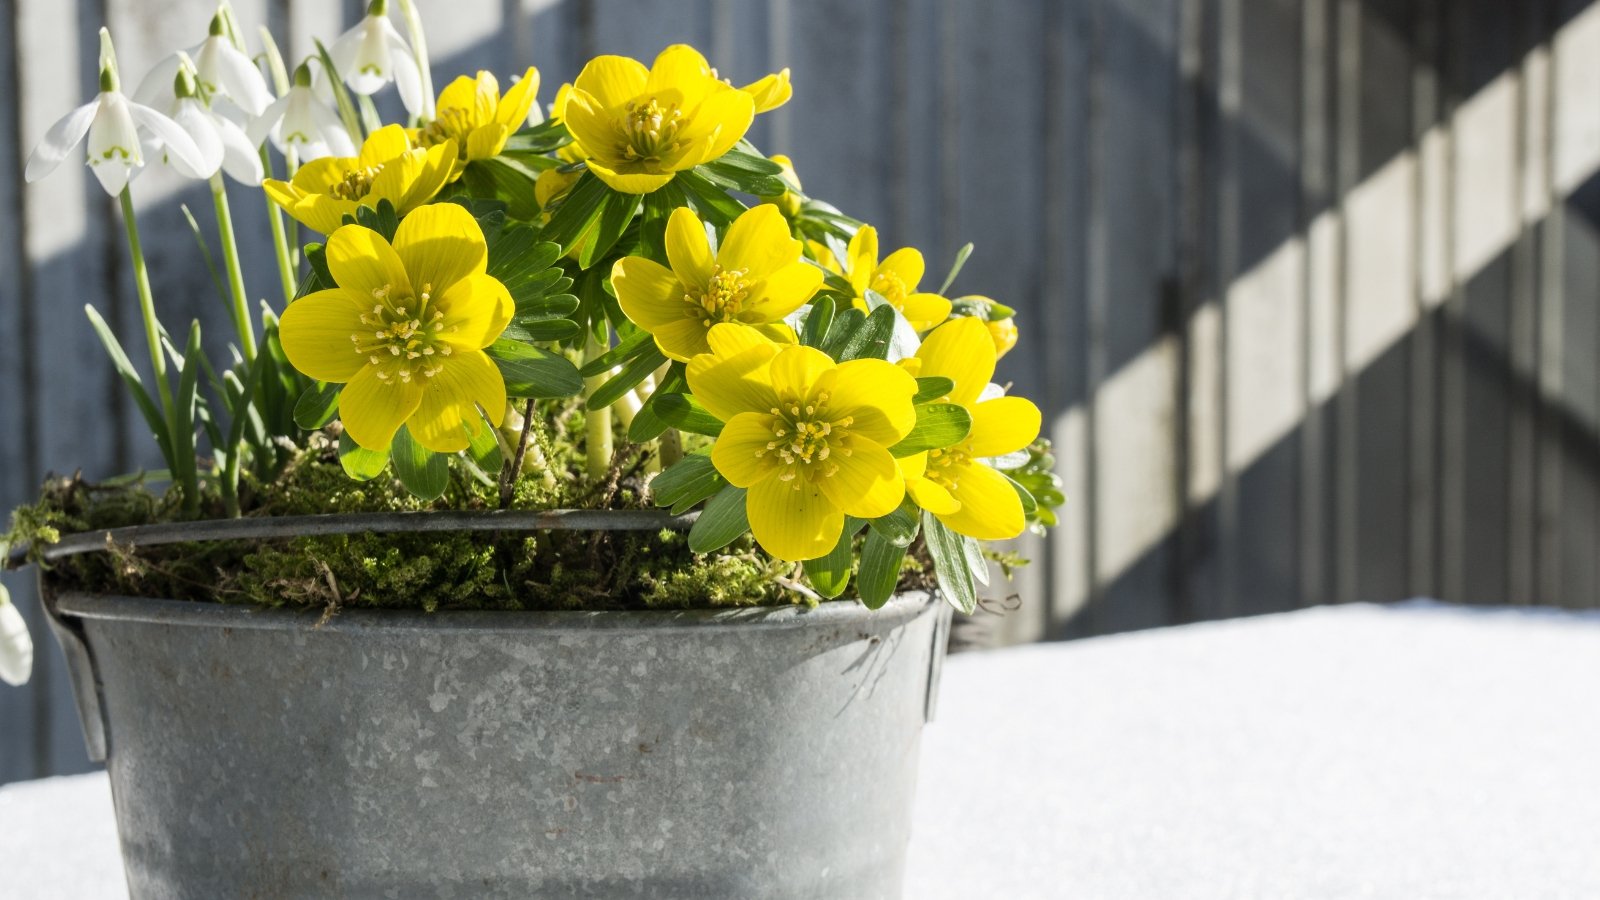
{"x": 1309, "y": 289}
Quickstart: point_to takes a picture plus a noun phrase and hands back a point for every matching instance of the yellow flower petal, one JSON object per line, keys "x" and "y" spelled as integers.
{"x": 610, "y": 80}
{"x": 728, "y": 339}
{"x": 931, "y": 497}
{"x": 440, "y": 244}
{"x": 486, "y": 141}
{"x": 729, "y": 385}
{"x": 428, "y": 177}
{"x": 688, "y": 249}
{"x": 679, "y": 67}
{"x": 793, "y": 520}
{"x": 906, "y": 264}
{"x": 518, "y": 99}
{"x": 447, "y": 415}
{"x": 590, "y": 122}
{"x": 320, "y": 212}
{"x": 630, "y": 183}
{"x": 649, "y": 293}
{"x": 476, "y": 96}
{"x": 795, "y": 371}
{"x": 862, "y": 258}
{"x": 476, "y": 310}
{"x": 373, "y": 410}
{"x": 318, "y": 175}
{"x": 961, "y": 351}
{"x": 990, "y": 508}
{"x": 383, "y": 145}
{"x": 783, "y": 292}
{"x": 924, "y": 311}
{"x": 315, "y": 332}
{"x": 361, "y": 261}
{"x": 876, "y": 395}
{"x": 759, "y": 243}
{"x": 770, "y": 92}
{"x": 681, "y": 339}
{"x": 741, "y": 453}
{"x": 721, "y": 120}
{"x": 1003, "y": 425}
{"x": 867, "y": 483}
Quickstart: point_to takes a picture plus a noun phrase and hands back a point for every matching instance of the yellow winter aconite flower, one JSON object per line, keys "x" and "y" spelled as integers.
{"x": 473, "y": 114}
{"x": 388, "y": 167}
{"x": 756, "y": 278}
{"x": 638, "y": 127}
{"x": 954, "y": 483}
{"x": 807, "y": 436}
{"x": 896, "y": 279}
{"x": 405, "y": 330}
{"x": 787, "y": 202}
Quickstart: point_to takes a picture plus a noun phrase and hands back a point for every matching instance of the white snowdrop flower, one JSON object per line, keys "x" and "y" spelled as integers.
{"x": 223, "y": 145}
{"x": 300, "y": 121}
{"x": 112, "y": 122}
{"x": 16, "y": 646}
{"x": 372, "y": 54}
{"x": 223, "y": 70}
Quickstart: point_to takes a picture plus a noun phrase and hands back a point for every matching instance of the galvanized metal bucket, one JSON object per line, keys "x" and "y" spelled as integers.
{"x": 750, "y": 753}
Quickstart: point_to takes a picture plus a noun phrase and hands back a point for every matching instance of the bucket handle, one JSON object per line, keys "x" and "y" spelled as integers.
{"x": 941, "y": 642}
{"x": 82, "y": 672}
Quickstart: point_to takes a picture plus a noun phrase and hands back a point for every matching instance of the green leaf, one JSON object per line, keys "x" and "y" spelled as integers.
{"x": 721, "y": 522}
{"x": 830, "y": 573}
{"x": 424, "y": 473}
{"x": 358, "y": 462}
{"x": 318, "y": 278}
{"x": 508, "y": 180}
{"x": 629, "y": 378}
{"x": 130, "y": 377}
{"x": 484, "y": 448}
{"x": 711, "y": 202}
{"x": 950, "y": 564}
{"x": 1030, "y": 506}
{"x": 183, "y": 411}
{"x": 898, "y": 527}
{"x": 739, "y": 171}
{"x": 317, "y": 406}
{"x": 687, "y": 482}
{"x": 880, "y": 569}
{"x": 381, "y": 219}
{"x": 973, "y": 554}
{"x": 531, "y": 372}
{"x": 625, "y": 350}
{"x": 590, "y": 219}
{"x": 544, "y": 137}
{"x": 524, "y": 263}
{"x": 242, "y": 410}
{"x": 932, "y": 388}
{"x": 685, "y": 413}
{"x": 647, "y": 425}
{"x": 860, "y": 337}
{"x": 541, "y": 330}
{"x": 938, "y": 425}
{"x": 815, "y": 327}
{"x": 955, "y": 268}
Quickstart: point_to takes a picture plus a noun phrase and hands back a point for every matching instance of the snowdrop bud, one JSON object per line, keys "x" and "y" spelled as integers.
{"x": 16, "y": 646}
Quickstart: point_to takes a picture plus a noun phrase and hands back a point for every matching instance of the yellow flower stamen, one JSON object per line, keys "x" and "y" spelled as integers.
{"x": 892, "y": 287}
{"x": 722, "y": 299}
{"x": 649, "y": 130}
{"x": 453, "y": 123}
{"x": 357, "y": 183}
{"x": 944, "y": 465}
{"x": 409, "y": 338}
{"x": 803, "y": 439}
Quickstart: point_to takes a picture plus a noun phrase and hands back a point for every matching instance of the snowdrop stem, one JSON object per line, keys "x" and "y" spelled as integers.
{"x": 147, "y": 304}
{"x": 597, "y": 421}
{"x": 419, "y": 46}
{"x": 230, "y": 259}
{"x": 280, "y": 242}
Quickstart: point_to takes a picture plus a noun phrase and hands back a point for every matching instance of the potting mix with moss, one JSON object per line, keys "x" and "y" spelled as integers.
{"x": 615, "y": 302}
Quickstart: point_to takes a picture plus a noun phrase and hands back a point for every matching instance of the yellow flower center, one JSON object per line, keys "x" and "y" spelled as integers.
{"x": 406, "y": 337}
{"x": 357, "y": 183}
{"x": 722, "y": 298}
{"x": 804, "y": 439}
{"x": 944, "y": 466}
{"x": 453, "y": 123}
{"x": 892, "y": 287}
{"x": 649, "y": 129}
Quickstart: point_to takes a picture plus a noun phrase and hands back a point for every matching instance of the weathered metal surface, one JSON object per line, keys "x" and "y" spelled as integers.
{"x": 749, "y": 753}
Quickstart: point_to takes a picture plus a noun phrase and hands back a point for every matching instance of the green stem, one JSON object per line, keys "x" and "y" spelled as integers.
{"x": 280, "y": 243}
{"x": 230, "y": 259}
{"x": 671, "y": 447}
{"x": 597, "y": 421}
{"x": 147, "y": 305}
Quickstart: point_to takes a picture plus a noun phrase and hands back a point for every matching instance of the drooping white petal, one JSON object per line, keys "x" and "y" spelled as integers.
{"x": 179, "y": 145}
{"x": 330, "y": 128}
{"x": 114, "y": 148}
{"x": 16, "y": 646}
{"x": 196, "y": 122}
{"x": 407, "y": 75}
{"x": 223, "y": 67}
{"x": 241, "y": 158}
{"x": 59, "y": 140}
{"x": 266, "y": 124}
{"x": 346, "y": 50}
{"x": 157, "y": 83}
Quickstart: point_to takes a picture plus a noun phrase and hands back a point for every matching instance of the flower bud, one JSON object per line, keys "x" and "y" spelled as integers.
{"x": 16, "y": 647}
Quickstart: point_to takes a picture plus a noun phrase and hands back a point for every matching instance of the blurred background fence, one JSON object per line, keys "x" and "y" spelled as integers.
{"x": 1310, "y": 289}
